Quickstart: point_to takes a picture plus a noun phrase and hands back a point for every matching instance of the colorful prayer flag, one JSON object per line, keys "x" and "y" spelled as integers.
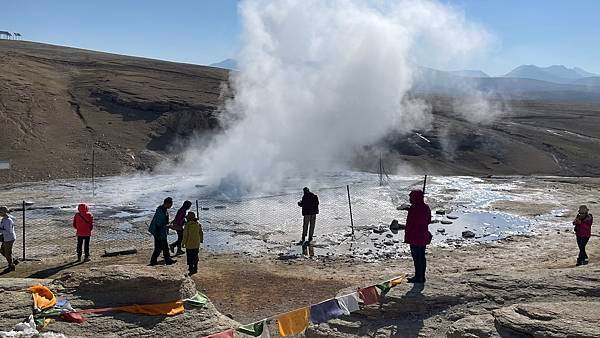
{"x": 349, "y": 303}
{"x": 199, "y": 300}
{"x": 323, "y": 312}
{"x": 169, "y": 309}
{"x": 225, "y": 334}
{"x": 43, "y": 298}
{"x": 258, "y": 329}
{"x": 293, "y": 322}
{"x": 369, "y": 295}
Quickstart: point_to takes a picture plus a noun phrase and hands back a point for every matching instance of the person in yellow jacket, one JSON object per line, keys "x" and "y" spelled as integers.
{"x": 192, "y": 237}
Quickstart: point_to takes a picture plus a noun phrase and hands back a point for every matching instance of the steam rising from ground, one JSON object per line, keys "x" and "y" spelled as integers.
{"x": 319, "y": 79}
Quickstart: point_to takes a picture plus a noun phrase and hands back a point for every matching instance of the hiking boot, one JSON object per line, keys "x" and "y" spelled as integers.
{"x": 170, "y": 262}
{"x": 179, "y": 252}
{"x": 153, "y": 263}
{"x": 87, "y": 259}
{"x": 585, "y": 262}
{"x": 411, "y": 280}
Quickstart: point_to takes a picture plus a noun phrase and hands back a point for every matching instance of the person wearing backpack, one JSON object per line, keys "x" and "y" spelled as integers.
{"x": 583, "y": 231}
{"x": 83, "y": 222}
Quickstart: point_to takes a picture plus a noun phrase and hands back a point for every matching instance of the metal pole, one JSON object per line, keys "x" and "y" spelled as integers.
{"x": 197, "y": 210}
{"x": 23, "y": 230}
{"x": 350, "y": 206}
{"x": 93, "y": 169}
{"x": 424, "y": 184}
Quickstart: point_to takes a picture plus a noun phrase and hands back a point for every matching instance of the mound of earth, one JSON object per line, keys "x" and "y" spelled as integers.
{"x": 113, "y": 286}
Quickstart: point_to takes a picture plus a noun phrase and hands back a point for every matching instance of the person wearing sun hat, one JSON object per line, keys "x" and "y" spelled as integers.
{"x": 7, "y": 236}
{"x": 192, "y": 237}
{"x": 583, "y": 231}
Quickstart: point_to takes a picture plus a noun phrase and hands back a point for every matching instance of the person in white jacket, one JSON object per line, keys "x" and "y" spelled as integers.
{"x": 7, "y": 236}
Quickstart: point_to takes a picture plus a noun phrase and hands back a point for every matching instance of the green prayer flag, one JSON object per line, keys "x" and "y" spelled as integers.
{"x": 254, "y": 329}
{"x": 199, "y": 300}
{"x": 384, "y": 287}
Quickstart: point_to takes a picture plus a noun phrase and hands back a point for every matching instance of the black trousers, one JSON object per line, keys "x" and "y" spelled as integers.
{"x": 418, "y": 255}
{"x": 581, "y": 243}
{"x": 192, "y": 259}
{"x": 83, "y": 241}
{"x": 177, "y": 243}
{"x": 160, "y": 244}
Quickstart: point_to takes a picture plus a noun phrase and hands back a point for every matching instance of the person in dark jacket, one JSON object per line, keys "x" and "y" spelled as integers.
{"x": 583, "y": 231}
{"x": 310, "y": 209}
{"x": 83, "y": 222}
{"x": 177, "y": 225}
{"x": 159, "y": 229}
{"x": 417, "y": 233}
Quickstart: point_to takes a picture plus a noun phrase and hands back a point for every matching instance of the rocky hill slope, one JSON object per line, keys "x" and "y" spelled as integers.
{"x": 56, "y": 102}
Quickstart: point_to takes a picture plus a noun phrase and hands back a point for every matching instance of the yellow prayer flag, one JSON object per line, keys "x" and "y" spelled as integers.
{"x": 293, "y": 322}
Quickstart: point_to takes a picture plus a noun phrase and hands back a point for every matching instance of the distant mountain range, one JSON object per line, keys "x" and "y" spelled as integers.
{"x": 226, "y": 64}
{"x": 556, "y": 83}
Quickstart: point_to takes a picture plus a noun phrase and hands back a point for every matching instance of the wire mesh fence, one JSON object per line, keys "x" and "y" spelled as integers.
{"x": 256, "y": 224}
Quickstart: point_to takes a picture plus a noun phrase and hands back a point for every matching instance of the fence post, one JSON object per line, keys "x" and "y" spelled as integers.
{"x": 197, "y": 210}
{"x": 350, "y": 207}
{"x": 23, "y": 230}
{"x": 424, "y": 184}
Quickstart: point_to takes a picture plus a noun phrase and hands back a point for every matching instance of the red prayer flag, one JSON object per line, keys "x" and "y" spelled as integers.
{"x": 369, "y": 295}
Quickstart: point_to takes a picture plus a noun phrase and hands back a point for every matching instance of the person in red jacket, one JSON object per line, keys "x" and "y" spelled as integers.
{"x": 417, "y": 233}
{"x": 83, "y": 222}
{"x": 583, "y": 231}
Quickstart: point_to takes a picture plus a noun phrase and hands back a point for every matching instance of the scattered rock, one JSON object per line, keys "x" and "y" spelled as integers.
{"x": 468, "y": 234}
{"x": 556, "y": 319}
{"x": 440, "y": 212}
{"x": 403, "y": 207}
{"x": 397, "y": 226}
{"x": 389, "y": 236}
{"x": 441, "y": 231}
{"x": 388, "y": 243}
{"x": 445, "y": 222}
{"x": 379, "y": 230}
{"x": 473, "y": 327}
{"x": 219, "y": 207}
{"x": 452, "y": 217}
{"x": 119, "y": 251}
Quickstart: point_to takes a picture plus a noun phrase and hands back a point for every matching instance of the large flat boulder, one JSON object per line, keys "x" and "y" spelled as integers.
{"x": 559, "y": 319}
{"x": 113, "y": 286}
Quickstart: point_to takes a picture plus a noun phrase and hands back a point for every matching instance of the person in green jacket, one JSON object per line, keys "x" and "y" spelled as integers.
{"x": 192, "y": 237}
{"x": 158, "y": 228}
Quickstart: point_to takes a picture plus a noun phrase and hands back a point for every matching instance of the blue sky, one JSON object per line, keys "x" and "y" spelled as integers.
{"x": 542, "y": 32}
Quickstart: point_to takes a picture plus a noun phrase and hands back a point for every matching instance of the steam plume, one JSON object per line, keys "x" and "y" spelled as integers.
{"x": 319, "y": 79}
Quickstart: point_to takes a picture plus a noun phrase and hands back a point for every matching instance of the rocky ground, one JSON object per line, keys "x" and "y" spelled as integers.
{"x": 519, "y": 287}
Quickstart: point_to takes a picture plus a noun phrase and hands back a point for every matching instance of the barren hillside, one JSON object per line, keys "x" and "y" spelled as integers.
{"x": 55, "y": 102}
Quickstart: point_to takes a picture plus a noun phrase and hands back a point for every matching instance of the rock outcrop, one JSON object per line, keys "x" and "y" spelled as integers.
{"x": 113, "y": 286}
{"x": 561, "y": 319}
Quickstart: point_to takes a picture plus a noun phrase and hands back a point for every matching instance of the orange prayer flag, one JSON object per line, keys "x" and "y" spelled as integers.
{"x": 168, "y": 309}
{"x": 43, "y": 298}
{"x": 293, "y": 322}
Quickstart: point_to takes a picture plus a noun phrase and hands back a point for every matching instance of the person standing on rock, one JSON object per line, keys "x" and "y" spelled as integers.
{"x": 417, "y": 233}
{"x": 7, "y": 236}
{"x": 310, "y": 209}
{"x": 583, "y": 230}
{"x": 177, "y": 225}
{"x": 159, "y": 229}
{"x": 192, "y": 237}
{"x": 83, "y": 222}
